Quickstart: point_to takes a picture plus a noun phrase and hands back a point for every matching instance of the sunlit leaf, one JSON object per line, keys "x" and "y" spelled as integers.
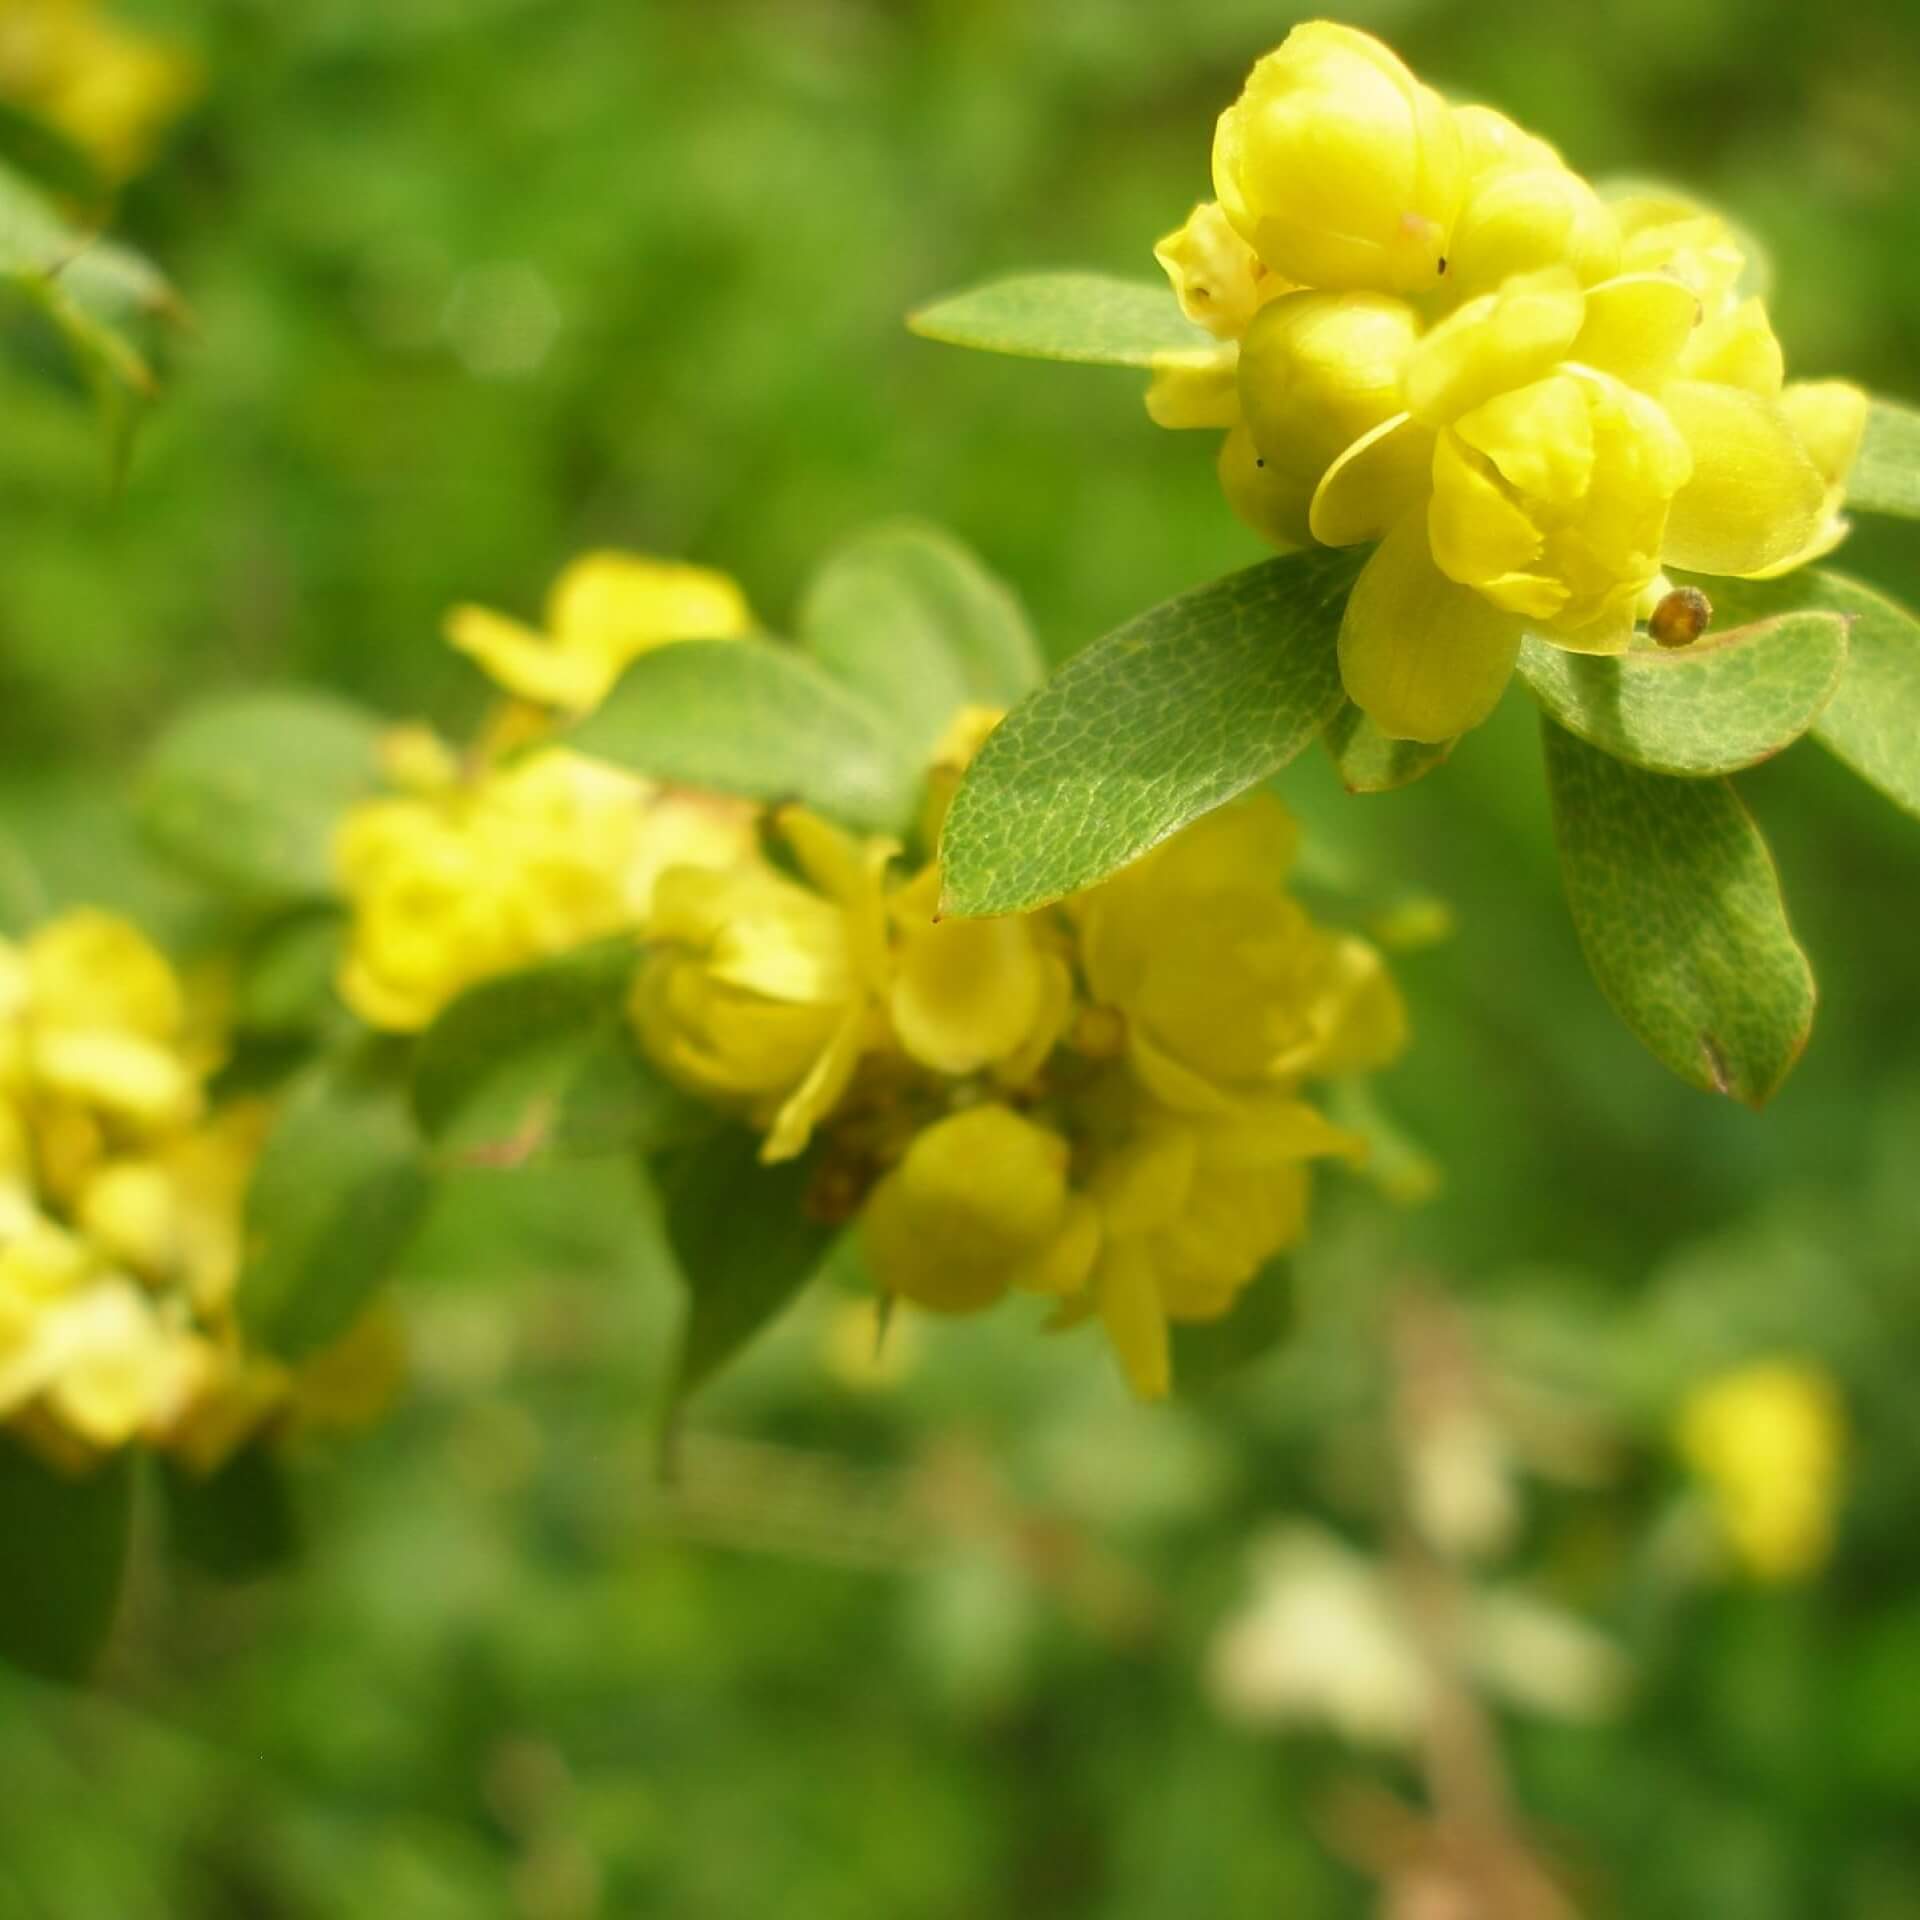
{"x": 246, "y": 791}
{"x": 1678, "y": 908}
{"x": 755, "y": 718}
{"x": 907, "y": 617}
{"x": 1731, "y": 700}
{"x": 1886, "y": 477}
{"x": 1146, "y": 729}
{"x": 1088, "y": 317}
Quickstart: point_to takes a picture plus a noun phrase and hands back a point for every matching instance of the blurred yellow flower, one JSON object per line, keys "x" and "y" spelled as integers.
{"x": 1768, "y": 1441}
{"x": 604, "y": 611}
{"x": 111, "y": 90}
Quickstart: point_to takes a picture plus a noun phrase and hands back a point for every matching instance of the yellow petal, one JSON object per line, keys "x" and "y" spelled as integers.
{"x": 626, "y": 602}
{"x": 1519, "y": 221}
{"x": 528, "y": 663}
{"x": 1494, "y": 343}
{"x": 1736, "y": 348}
{"x": 819, "y": 1093}
{"x": 1830, "y": 416}
{"x": 1134, "y": 1318}
{"x": 966, "y": 992}
{"x": 1636, "y": 327}
{"x": 1374, "y": 484}
{"x": 1200, "y": 388}
{"x": 1423, "y": 657}
{"x": 1755, "y": 498}
{"x": 1264, "y": 500}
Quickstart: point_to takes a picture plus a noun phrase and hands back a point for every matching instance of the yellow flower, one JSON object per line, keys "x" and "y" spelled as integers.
{"x": 1767, "y": 1439}
{"x": 1338, "y": 167}
{"x": 761, "y": 992}
{"x": 531, "y": 859}
{"x": 979, "y": 1204}
{"x": 1227, "y": 989}
{"x": 111, "y": 90}
{"x": 1217, "y": 277}
{"x": 603, "y": 612}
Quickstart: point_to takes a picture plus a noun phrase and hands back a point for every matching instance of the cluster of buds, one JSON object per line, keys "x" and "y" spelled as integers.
{"x": 1100, "y": 1102}
{"x": 1436, "y": 336}
{"x": 121, "y": 1200}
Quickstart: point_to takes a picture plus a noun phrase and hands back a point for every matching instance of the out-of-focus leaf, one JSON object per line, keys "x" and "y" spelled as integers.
{"x": 338, "y": 1192}
{"x": 1159, "y": 722}
{"x": 1206, "y": 1352}
{"x": 1368, "y": 762}
{"x": 1873, "y": 722}
{"x": 1092, "y": 318}
{"x": 285, "y": 973}
{"x": 237, "y": 1523}
{"x": 39, "y": 150}
{"x": 745, "y": 1243}
{"x": 1729, "y": 701}
{"x": 1886, "y": 477}
{"x": 754, "y": 718}
{"x": 1678, "y": 908}
{"x": 247, "y": 791}
{"x": 542, "y": 1064}
{"x": 63, "y": 1556}
{"x": 907, "y": 617}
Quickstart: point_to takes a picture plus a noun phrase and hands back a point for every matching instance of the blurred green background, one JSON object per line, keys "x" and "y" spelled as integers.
{"x": 478, "y": 283}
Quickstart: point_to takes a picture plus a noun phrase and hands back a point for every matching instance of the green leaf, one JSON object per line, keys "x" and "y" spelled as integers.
{"x": 909, "y": 619}
{"x": 1677, "y": 905}
{"x": 1207, "y": 1352}
{"x": 541, "y": 1064}
{"x": 759, "y": 719}
{"x": 285, "y": 971}
{"x": 247, "y": 791}
{"x": 1731, "y": 700}
{"x": 63, "y": 1557}
{"x": 1886, "y": 477}
{"x": 1873, "y": 722}
{"x": 338, "y": 1192}
{"x": 744, "y": 1241}
{"x": 1368, "y": 762}
{"x": 1092, "y": 318}
{"x": 236, "y": 1524}
{"x": 1159, "y": 722}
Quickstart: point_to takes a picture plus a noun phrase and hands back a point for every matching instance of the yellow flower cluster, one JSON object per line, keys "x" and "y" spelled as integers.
{"x": 120, "y": 1213}
{"x": 472, "y": 868}
{"x": 1768, "y": 1440}
{"x": 1435, "y": 335}
{"x": 1097, "y": 1103}
{"x": 109, "y": 89}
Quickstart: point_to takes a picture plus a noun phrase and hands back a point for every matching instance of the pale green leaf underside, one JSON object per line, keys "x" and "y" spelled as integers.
{"x": 754, "y": 718}
{"x": 1091, "y": 318}
{"x": 1159, "y": 722}
{"x": 1886, "y": 477}
{"x": 909, "y": 619}
{"x": 1678, "y": 908}
{"x": 1730, "y": 701}
{"x": 247, "y": 790}
{"x": 1369, "y": 762}
{"x": 1873, "y": 722}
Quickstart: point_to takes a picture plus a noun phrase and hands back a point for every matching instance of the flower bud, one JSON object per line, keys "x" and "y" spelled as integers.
{"x": 1339, "y": 167}
{"x": 1518, "y": 222}
{"x": 1318, "y": 371}
{"x": 1218, "y": 279}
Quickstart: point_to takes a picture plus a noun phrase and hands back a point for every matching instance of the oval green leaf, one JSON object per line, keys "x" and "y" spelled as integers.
{"x": 246, "y": 792}
{"x": 338, "y": 1192}
{"x": 910, "y": 620}
{"x": 1677, "y": 905}
{"x": 1731, "y": 700}
{"x": 759, "y": 719}
{"x": 744, "y": 1241}
{"x": 63, "y": 1558}
{"x": 1886, "y": 477}
{"x": 1872, "y": 723}
{"x": 1161, "y": 721}
{"x": 1091, "y": 318}
{"x": 541, "y": 1065}
{"x": 1368, "y": 762}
